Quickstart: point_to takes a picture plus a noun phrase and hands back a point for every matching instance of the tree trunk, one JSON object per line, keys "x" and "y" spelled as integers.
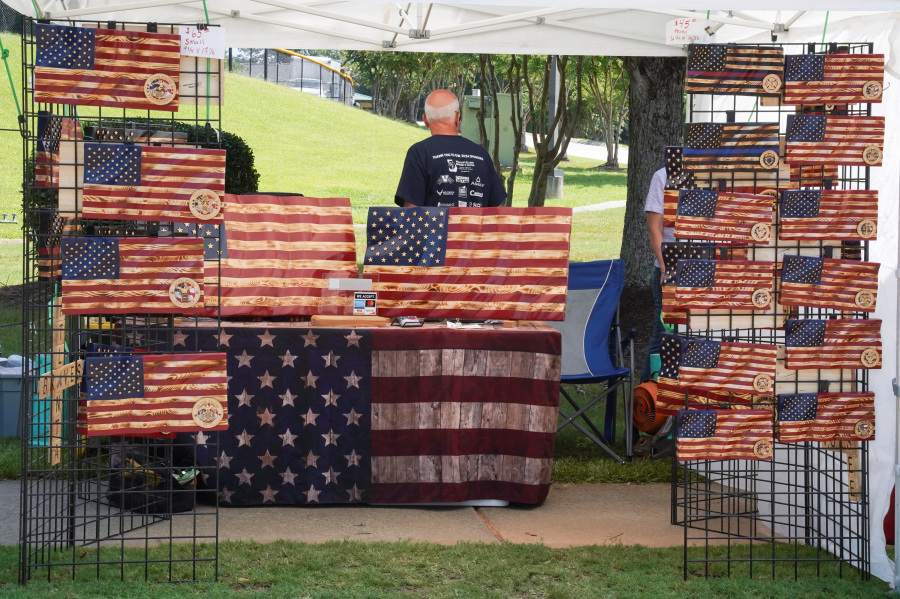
{"x": 656, "y": 117}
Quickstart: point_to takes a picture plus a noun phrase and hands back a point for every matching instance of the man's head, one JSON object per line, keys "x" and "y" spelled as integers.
{"x": 442, "y": 113}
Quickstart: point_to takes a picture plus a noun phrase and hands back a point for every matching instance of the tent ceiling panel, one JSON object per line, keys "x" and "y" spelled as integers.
{"x": 605, "y": 27}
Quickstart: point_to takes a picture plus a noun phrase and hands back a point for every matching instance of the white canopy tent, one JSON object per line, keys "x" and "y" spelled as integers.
{"x": 600, "y": 27}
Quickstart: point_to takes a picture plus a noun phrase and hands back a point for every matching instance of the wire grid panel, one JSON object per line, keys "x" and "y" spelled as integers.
{"x": 129, "y": 507}
{"x": 805, "y": 512}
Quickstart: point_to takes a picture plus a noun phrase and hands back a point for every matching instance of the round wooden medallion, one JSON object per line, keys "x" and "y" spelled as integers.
{"x": 207, "y": 412}
{"x": 771, "y": 83}
{"x": 829, "y": 107}
{"x": 871, "y": 90}
{"x": 762, "y": 449}
{"x": 205, "y": 204}
{"x": 769, "y": 159}
{"x": 872, "y": 155}
{"x": 762, "y": 383}
{"x": 761, "y": 298}
{"x": 864, "y": 299}
{"x": 160, "y": 89}
{"x": 864, "y": 429}
{"x": 760, "y": 232}
{"x": 184, "y": 292}
{"x": 866, "y": 228}
{"x": 870, "y": 357}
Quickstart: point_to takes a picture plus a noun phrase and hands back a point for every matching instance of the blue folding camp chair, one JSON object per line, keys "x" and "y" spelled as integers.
{"x": 594, "y": 350}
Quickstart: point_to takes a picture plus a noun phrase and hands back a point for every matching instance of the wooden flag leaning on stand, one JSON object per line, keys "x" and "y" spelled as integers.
{"x": 833, "y": 78}
{"x": 731, "y": 146}
{"x": 730, "y": 69}
{"x": 106, "y": 67}
{"x": 829, "y": 215}
{"x": 735, "y": 217}
{"x": 826, "y": 139}
{"x": 121, "y": 275}
{"x": 169, "y": 393}
{"x": 829, "y": 283}
{"x": 728, "y": 366}
{"x": 826, "y": 417}
{"x": 723, "y": 435}
{"x": 129, "y": 182}
{"x": 723, "y": 284}
{"x": 469, "y": 262}
{"x": 277, "y": 254}
{"x": 833, "y": 343}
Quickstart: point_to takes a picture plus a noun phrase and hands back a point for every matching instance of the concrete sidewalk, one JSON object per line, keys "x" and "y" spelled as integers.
{"x": 572, "y": 515}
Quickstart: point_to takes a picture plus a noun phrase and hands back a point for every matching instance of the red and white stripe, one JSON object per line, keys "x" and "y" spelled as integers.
{"x": 845, "y": 76}
{"x": 737, "y": 432}
{"x": 735, "y": 283}
{"x": 841, "y": 281}
{"x": 840, "y": 213}
{"x": 735, "y": 216}
{"x": 739, "y": 364}
{"x": 846, "y": 137}
{"x": 836, "y": 417}
{"x": 845, "y": 340}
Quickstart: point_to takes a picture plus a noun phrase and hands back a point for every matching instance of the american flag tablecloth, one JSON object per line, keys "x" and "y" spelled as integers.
{"x": 328, "y": 415}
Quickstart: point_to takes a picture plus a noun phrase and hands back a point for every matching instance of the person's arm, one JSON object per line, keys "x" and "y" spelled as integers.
{"x": 655, "y": 230}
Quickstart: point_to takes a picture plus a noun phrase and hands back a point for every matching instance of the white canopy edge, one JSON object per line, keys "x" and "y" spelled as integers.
{"x": 610, "y": 27}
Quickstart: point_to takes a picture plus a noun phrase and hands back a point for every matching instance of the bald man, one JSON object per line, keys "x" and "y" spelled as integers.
{"x": 446, "y": 169}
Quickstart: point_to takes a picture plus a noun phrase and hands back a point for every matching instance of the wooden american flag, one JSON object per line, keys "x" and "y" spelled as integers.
{"x": 833, "y": 78}
{"x": 52, "y": 130}
{"x": 829, "y": 283}
{"x": 153, "y": 394}
{"x": 727, "y": 366}
{"x": 720, "y": 216}
{"x": 121, "y": 275}
{"x": 730, "y": 69}
{"x": 829, "y": 214}
{"x": 277, "y": 254}
{"x": 724, "y": 435}
{"x": 834, "y": 343}
{"x": 827, "y": 139}
{"x": 507, "y": 263}
{"x": 826, "y": 417}
{"x": 106, "y": 67}
{"x": 730, "y": 146}
{"x": 131, "y": 182}
{"x": 724, "y": 284}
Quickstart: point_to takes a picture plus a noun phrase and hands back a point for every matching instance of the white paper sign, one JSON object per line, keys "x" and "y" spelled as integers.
{"x": 681, "y": 32}
{"x": 207, "y": 43}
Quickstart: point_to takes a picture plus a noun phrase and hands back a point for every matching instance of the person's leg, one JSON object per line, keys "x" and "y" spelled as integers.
{"x": 658, "y": 329}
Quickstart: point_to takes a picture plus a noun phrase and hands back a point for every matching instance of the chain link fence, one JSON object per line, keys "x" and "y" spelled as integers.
{"x": 319, "y": 76}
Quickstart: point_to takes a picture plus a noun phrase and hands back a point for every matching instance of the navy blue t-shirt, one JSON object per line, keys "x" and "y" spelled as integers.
{"x": 449, "y": 170}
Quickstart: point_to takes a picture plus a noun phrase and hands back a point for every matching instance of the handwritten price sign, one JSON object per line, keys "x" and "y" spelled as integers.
{"x": 206, "y": 43}
{"x": 685, "y": 31}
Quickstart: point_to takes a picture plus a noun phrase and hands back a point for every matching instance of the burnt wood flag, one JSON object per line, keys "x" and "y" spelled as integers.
{"x": 106, "y": 67}
{"x": 52, "y": 130}
{"x": 276, "y": 255}
{"x": 469, "y": 262}
{"x": 728, "y": 366}
{"x": 724, "y": 435}
{"x": 672, "y": 253}
{"x": 724, "y": 284}
{"x": 152, "y": 394}
{"x": 387, "y": 415}
{"x": 833, "y": 78}
{"x": 730, "y": 69}
{"x": 826, "y": 417}
{"x": 130, "y": 182}
{"x": 825, "y": 214}
{"x": 120, "y": 275}
{"x": 721, "y": 216}
{"x": 818, "y": 139}
{"x": 672, "y": 395}
{"x": 833, "y": 343}
{"x": 731, "y": 146}
{"x": 52, "y": 226}
{"x": 829, "y": 283}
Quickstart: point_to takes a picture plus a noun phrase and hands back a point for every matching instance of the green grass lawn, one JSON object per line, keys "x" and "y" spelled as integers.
{"x": 354, "y": 570}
